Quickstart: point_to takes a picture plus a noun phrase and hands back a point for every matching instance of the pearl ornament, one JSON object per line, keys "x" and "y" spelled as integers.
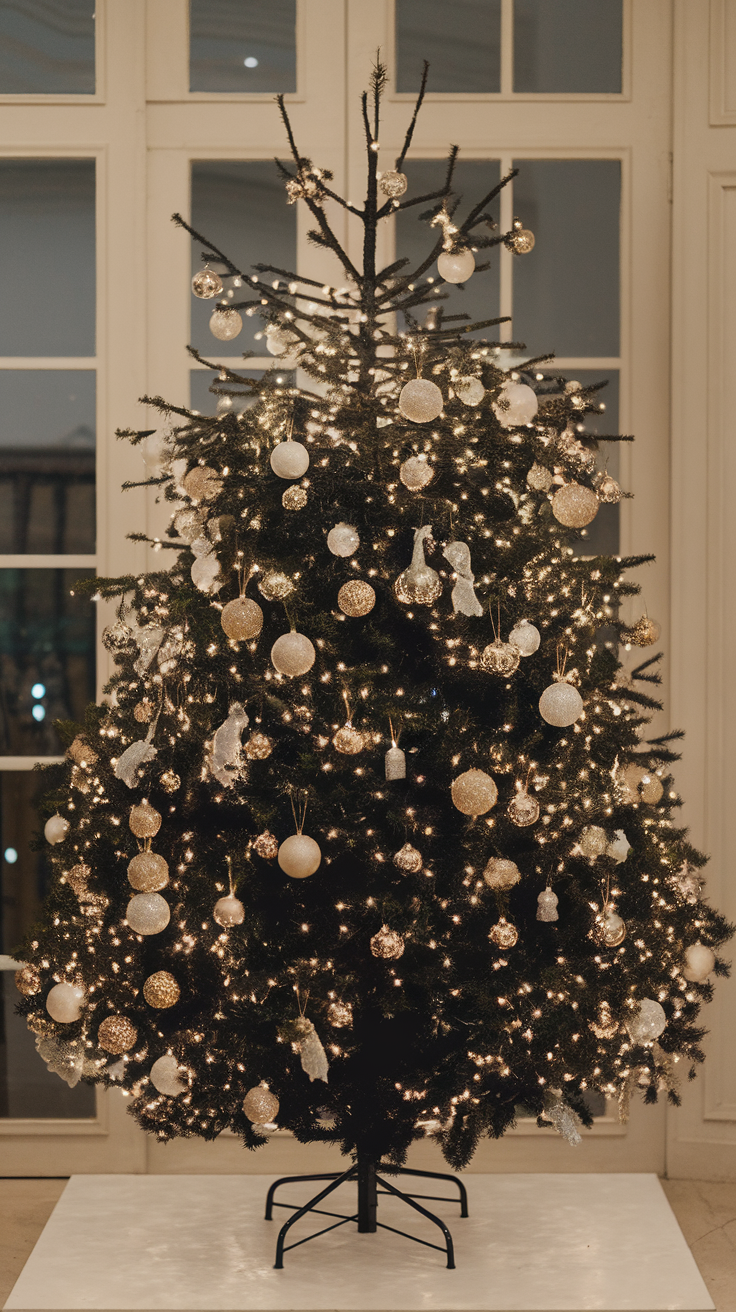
{"x": 148, "y": 913}
{"x": 456, "y": 266}
{"x": 299, "y": 856}
{"x": 516, "y": 404}
{"x": 415, "y": 473}
{"x": 64, "y": 1002}
{"x": 420, "y": 401}
{"x": 56, "y": 829}
{"x": 289, "y": 460}
{"x": 293, "y": 654}
{"x": 469, "y": 390}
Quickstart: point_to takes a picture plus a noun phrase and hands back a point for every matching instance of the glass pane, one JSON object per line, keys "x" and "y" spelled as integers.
{"x": 462, "y": 42}
{"x": 242, "y": 45}
{"x": 47, "y": 657}
{"x": 566, "y": 292}
{"x": 240, "y": 205}
{"x": 47, "y": 460}
{"x": 47, "y": 48}
{"x": 47, "y": 249}
{"x": 568, "y": 45}
{"x": 205, "y": 401}
{"x": 473, "y": 179}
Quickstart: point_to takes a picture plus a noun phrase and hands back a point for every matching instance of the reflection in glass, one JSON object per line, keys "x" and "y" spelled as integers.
{"x": 462, "y": 42}
{"x": 566, "y": 292}
{"x": 241, "y": 206}
{"x": 47, "y": 460}
{"x": 205, "y": 401}
{"x": 47, "y": 237}
{"x": 568, "y": 45}
{"x": 472, "y": 180}
{"x": 242, "y": 45}
{"x": 47, "y": 637}
{"x": 47, "y": 48}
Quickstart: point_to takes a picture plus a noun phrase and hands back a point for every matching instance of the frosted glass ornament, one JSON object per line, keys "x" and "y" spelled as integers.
{"x": 144, "y": 820}
{"x": 419, "y": 583}
{"x": 393, "y": 183}
{"x": 202, "y": 483}
{"x": 560, "y": 704}
{"x": 387, "y": 944}
{"x": 526, "y": 638}
{"x": 456, "y": 266}
{"x": 148, "y": 872}
{"x": 699, "y": 962}
{"x": 64, "y": 1002}
{"x": 225, "y": 324}
{"x": 500, "y": 657}
{"x": 189, "y": 524}
{"x": 408, "y": 858}
{"x": 56, "y": 829}
{"x": 642, "y": 634}
{"x": 523, "y": 809}
{"x": 574, "y": 505}
{"x": 619, "y": 847}
{"x": 516, "y": 404}
{"x": 165, "y": 1076}
{"x": 415, "y": 473}
{"x": 395, "y": 763}
{"x": 289, "y": 460}
{"x": 539, "y": 478}
{"x": 356, "y": 598}
{"x": 547, "y": 905}
{"x": 260, "y": 1105}
{"x": 464, "y": 600}
{"x": 293, "y": 654}
{"x": 501, "y": 873}
{"x": 648, "y": 1023}
{"x": 206, "y": 284}
{"x": 242, "y": 619}
{"x": 470, "y": 390}
{"x": 504, "y": 934}
{"x": 593, "y": 841}
{"x": 299, "y": 856}
{"x": 474, "y": 792}
{"x": 148, "y": 913}
{"x": 420, "y": 400}
{"x": 229, "y": 911}
{"x": 639, "y": 784}
{"x": 279, "y": 341}
{"x": 343, "y": 540}
{"x": 275, "y": 586}
{"x": 117, "y": 637}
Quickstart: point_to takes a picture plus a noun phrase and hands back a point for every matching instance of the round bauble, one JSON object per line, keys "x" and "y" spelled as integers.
{"x": 523, "y": 809}
{"x": 560, "y": 704}
{"x": 470, "y": 390}
{"x": 64, "y": 1002}
{"x": 648, "y": 1023}
{"x": 356, "y": 598}
{"x": 279, "y": 341}
{"x": 275, "y": 586}
{"x": 504, "y": 934}
{"x": 292, "y": 654}
{"x": 418, "y": 584}
{"x": 642, "y": 634}
{"x": 117, "y": 1034}
{"x": 522, "y": 240}
{"x": 148, "y": 872}
{"x": 165, "y": 1076}
{"x": 118, "y": 637}
{"x": 206, "y": 284}
{"x": 28, "y": 981}
{"x": 456, "y": 266}
{"x": 640, "y": 784}
{"x": 387, "y": 944}
{"x": 294, "y": 498}
{"x": 421, "y": 401}
{"x": 393, "y": 183}
{"x": 161, "y": 990}
{"x": 343, "y": 540}
{"x": 229, "y": 911}
{"x": 189, "y": 523}
{"x": 260, "y": 1105}
{"x": 539, "y": 478}
{"x": 525, "y": 637}
{"x": 515, "y": 404}
{"x": 202, "y": 483}
{"x": 148, "y": 913}
{"x": 608, "y": 490}
{"x": 574, "y": 505}
{"x": 610, "y": 929}
{"x": 144, "y": 820}
{"x": 408, "y": 858}
{"x": 593, "y": 842}
{"x": 266, "y": 845}
{"x": 415, "y": 473}
{"x": 289, "y": 460}
{"x": 340, "y": 1014}
{"x": 501, "y": 873}
{"x": 474, "y": 792}
{"x": 170, "y": 782}
{"x": 299, "y": 856}
{"x": 699, "y": 962}
{"x": 500, "y": 657}
{"x": 547, "y": 905}
{"x": 348, "y": 740}
{"x": 143, "y": 711}
{"x": 258, "y": 747}
{"x": 225, "y": 324}
{"x": 242, "y": 619}
{"x": 56, "y": 829}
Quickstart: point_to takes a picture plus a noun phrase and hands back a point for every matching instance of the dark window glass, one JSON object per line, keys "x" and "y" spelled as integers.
{"x": 241, "y": 206}
{"x": 47, "y": 256}
{"x": 47, "y": 47}
{"x": 47, "y": 657}
{"x": 462, "y": 42}
{"x": 242, "y": 45}
{"x": 414, "y": 239}
{"x": 566, "y": 291}
{"x": 47, "y": 460}
{"x": 567, "y": 45}
{"x": 205, "y": 401}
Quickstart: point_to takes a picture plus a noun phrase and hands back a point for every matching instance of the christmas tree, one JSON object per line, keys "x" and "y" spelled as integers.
{"x": 368, "y": 838}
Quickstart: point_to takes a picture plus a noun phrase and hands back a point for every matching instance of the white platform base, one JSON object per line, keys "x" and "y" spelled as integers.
{"x": 532, "y": 1243}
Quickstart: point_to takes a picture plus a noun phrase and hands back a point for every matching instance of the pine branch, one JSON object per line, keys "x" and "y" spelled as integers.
{"x": 412, "y": 125}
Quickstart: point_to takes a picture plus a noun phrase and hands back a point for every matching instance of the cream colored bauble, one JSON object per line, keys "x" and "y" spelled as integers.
{"x": 202, "y": 483}
{"x": 560, "y": 704}
{"x": 501, "y": 873}
{"x": 699, "y": 962}
{"x": 289, "y": 460}
{"x": 242, "y": 619}
{"x": 299, "y": 856}
{"x": 165, "y": 1076}
{"x": 64, "y": 1002}
{"x": 343, "y": 540}
{"x": 144, "y": 820}
{"x": 148, "y": 913}
{"x": 292, "y": 654}
{"x": 415, "y": 473}
{"x": 648, "y": 1023}
{"x": 574, "y": 505}
{"x": 421, "y": 401}
{"x": 260, "y": 1105}
{"x": 229, "y": 911}
{"x": 470, "y": 390}
{"x": 525, "y": 637}
{"x": 56, "y": 829}
{"x": 474, "y": 792}
{"x": 456, "y": 266}
{"x": 225, "y": 324}
{"x": 515, "y": 404}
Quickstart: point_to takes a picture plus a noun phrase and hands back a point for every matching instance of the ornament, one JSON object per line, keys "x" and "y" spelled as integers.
{"x": 573, "y": 451}
{"x": 420, "y": 400}
{"x": 292, "y": 654}
{"x": 387, "y": 944}
{"x": 593, "y": 842}
{"x": 77, "y": 879}
{"x": 419, "y": 583}
{"x": 165, "y": 1076}
{"x": 205, "y": 570}
{"x": 343, "y": 540}
{"x": 117, "y": 637}
{"x": 565, "y": 1120}
{"x": 148, "y": 872}
{"x": 275, "y": 586}
{"x": 81, "y": 752}
{"x": 699, "y": 962}
{"x": 206, "y": 284}
{"x": 408, "y": 858}
{"x": 638, "y": 784}
{"x": 560, "y": 704}
{"x": 299, "y": 856}
{"x": 642, "y": 634}
{"x": 607, "y": 490}
{"x": 415, "y": 473}
{"x": 547, "y": 905}
{"x": 604, "y": 1027}
{"x": 144, "y": 820}
{"x": 128, "y": 767}
{"x": 464, "y": 600}
{"x": 474, "y": 792}
{"x": 117, "y": 1034}
{"x": 289, "y": 460}
{"x": 501, "y": 873}
{"x": 500, "y": 657}
{"x": 28, "y": 981}
{"x": 393, "y": 183}
{"x": 470, "y": 390}
{"x": 242, "y": 619}
{"x": 610, "y": 929}
{"x": 688, "y": 883}
{"x": 148, "y": 639}
{"x": 307, "y": 1042}
{"x": 148, "y": 913}
{"x": 189, "y": 523}
{"x": 456, "y": 266}
{"x": 294, "y": 498}
{"x": 574, "y": 505}
{"x": 525, "y": 637}
{"x": 348, "y": 740}
{"x": 395, "y": 763}
{"x": 356, "y": 598}
{"x": 340, "y": 1014}
{"x": 65, "y": 1058}
{"x": 523, "y": 809}
{"x": 64, "y": 1002}
{"x": 229, "y": 911}
{"x": 224, "y": 405}
{"x": 143, "y": 711}
{"x": 202, "y": 483}
{"x": 161, "y": 990}
{"x": 279, "y": 341}
{"x": 225, "y": 324}
{"x": 266, "y": 846}
{"x": 260, "y": 1105}
{"x": 225, "y": 759}
{"x": 169, "y": 781}
{"x": 258, "y": 747}
{"x": 56, "y": 829}
{"x": 539, "y": 478}
{"x": 504, "y": 934}
{"x": 522, "y": 240}
{"x": 516, "y": 404}
{"x": 648, "y": 1023}
{"x": 619, "y": 847}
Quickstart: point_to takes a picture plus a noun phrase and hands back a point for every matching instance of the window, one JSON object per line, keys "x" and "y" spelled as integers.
{"x": 47, "y": 49}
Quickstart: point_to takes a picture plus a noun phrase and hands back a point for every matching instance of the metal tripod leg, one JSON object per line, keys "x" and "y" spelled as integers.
{"x": 430, "y": 1216}
{"x": 438, "y": 1175}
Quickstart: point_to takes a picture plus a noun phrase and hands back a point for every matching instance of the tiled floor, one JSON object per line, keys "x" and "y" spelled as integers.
{"x": 706, "y": 1213}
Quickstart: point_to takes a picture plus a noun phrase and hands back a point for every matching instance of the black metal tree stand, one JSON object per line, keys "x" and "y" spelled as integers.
{"x": 371, "y": 1186}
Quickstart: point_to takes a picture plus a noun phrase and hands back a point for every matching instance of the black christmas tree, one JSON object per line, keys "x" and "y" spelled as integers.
{"x": 402, "y": 856}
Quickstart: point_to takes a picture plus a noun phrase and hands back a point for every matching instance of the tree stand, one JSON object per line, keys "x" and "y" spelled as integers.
{"x": 371, "y": 1186}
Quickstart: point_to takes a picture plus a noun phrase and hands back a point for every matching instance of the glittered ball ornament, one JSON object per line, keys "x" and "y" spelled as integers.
{"x": 206, "y": 284}
{"x": 143, "y": 711}
{"x": 610, "y": 928}
{"x": 516, "y": 404}
{"x": 56, "y": 829}
{"x": 415, "y": 473}
{"x": 421, "y": 401}
{"x": 64, "y": 1002}
{"x": 522, "y": 240}
{"x": 289, "y": 460}
{"x": 166, "y": 1077}
{"x": 393, "y": 183}
{"x": 161, "y": 990}
{"x": 640, "y": 784}
{"x": 525, "y": 637}
{"x": 292, "y": 654}
{"x": 501, "y": 873}
{"x": 266, "y": 845}
{"x": 356, "y": 598}
{"x": 539, "y": 478}
{"x": 699, "y": 962}
{"x": 456, "y": 266}
{"x": 408, "y": 858}
{"x": 189, "y": 523}
{"x": 242, "y": 619}
{"x": 294, "y": 498}
{"x": 144, "y": 820}
{"x": 202, "y": 483}
{"x": 229, "y": 911}
{"x": 504, "y": 934}
{"x": 560, "y": 704}
{"x": 593, "y": 842}
{"x": 348, "y": 740}
{"x": 547, "y": 905}
{"x": 148, "y": 913}
{"x": 148, "y": 872}
{"x": 474, "y": 792}
{"x": 343, "y": 540}
{"x": 523, "y": 809}
{"x": 500, "y": 657}
{"x": 117, "y": 1034}
{"x": 387, "y": 944}
{"x": 258, "y": 747}
{"x": 225, "y": 324}
{"x": 470, "y": 390}
{"x": 574, "y": 505}
{"x": 299, "y": 856}
{"x": 170, "y": 781}
{"x": 340, "y": 1014}
{"x": 260, "y": 1105}
{"x": 275, "y": 586}
{"x": 649, "y": 1021}
{"x": 28, "y": 981}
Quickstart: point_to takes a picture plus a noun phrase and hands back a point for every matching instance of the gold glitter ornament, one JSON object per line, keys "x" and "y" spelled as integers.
{"x": 242, "y": 619}
{"x": 474, "y": 792}
{"x": 604, "y": 1026}
{"x": 148, "y": 872}
{"x": 393, "y": 183}
{"x": 206, "y": 284}
{"x": 387, "y": 944}
{"x": 522, "y": 240}
{"x": 523, "y": 809}
{"x": 504, "y": 934}
{"x": 117, "y": 1034}
{"x": 539, "y": 478}
{"x": 294, "y": 498}
{"x": 275, "y": 586}
{"x": 81, "y": 752}
{"x": 258, "y": 747}
{"x": 500, "y": 657}
{"x": 225, "y": 324}
{"x": 260, "y": 1105}
{"x": 608, "y": 490}
{"x": 267, "y": 846}
{"x": 28, "y": 981}
{"x": 356, "y": 598}
{"x": 202, "y": 483}
{"x": 143, "y": 711}
{"x": 348, "y": 740}
{"x": 340, "y": 1014}
{"x": 145, "y": 820}
{"x": 501, "y": 873}
{"x": 77, "y": 878}
{"x": 642, "y": 634}
{"x": 420, "y": 401}
{"x": 408, "y": 858}
{"x": 170, "y": 781}
{"x": 574, "y": 505}
{"x": 161, "y": 990}
{"x": 593, "y": 841}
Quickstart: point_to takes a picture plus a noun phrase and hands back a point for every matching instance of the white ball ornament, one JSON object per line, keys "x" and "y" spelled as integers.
{"x": 343, "y": 540}
{"x": 148, "y": 913}
{"x": 165, "y": 1076}
{"x": 456, "y": 266}
{"x": 526, "y": 638}
{"x": 293, "y": 654}
{"x": 56, "y": 829}
{"x": 420, "y": 400}
{"x": 470, "y": 390}
{"x": 225, "y": 324}
{"x": 290, "y": 460}
{"x": 299, "y": 856}
{"x": 648, "y": 1023}
{"x": 699, "y": 962}
{"x": 416, "y": 472}
{"x": 560, "y": 704}
{"x": 574, "y": 505}
{"x": 64, "y": 1002}
{"x": 229, "y": 911}
{"x": 515, "y": 404}
{"x": 474, "y": 792}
